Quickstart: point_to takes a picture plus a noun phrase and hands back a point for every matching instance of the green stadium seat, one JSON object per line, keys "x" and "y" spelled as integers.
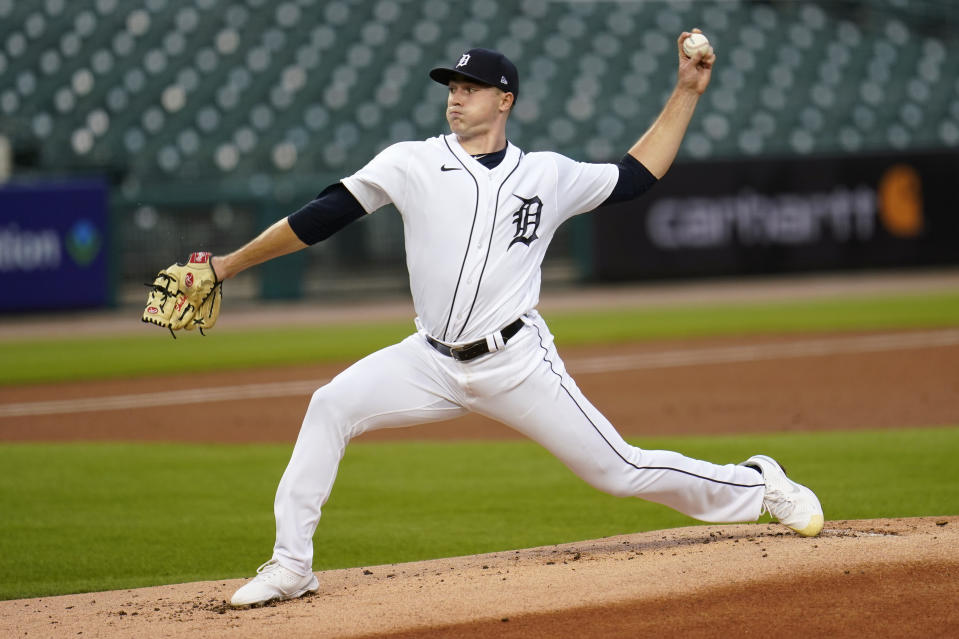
{"x": 158, "y": 91}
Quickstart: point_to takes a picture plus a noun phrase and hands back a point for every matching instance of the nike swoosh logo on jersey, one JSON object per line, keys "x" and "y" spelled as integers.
{"x": 451, "y": 168}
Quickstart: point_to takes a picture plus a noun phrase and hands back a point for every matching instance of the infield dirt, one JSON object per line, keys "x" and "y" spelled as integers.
{"x": 886, "y": 578}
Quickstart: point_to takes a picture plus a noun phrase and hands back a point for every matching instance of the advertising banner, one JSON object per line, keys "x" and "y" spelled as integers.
{"x": 787, "y": 215}
{"x": 53, "y": 245}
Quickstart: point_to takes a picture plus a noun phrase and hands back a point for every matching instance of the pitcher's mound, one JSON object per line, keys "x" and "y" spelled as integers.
{"x": 883, "y": 577}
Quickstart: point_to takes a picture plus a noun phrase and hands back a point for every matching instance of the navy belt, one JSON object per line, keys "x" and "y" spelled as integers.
{"x": 473, "y": 350}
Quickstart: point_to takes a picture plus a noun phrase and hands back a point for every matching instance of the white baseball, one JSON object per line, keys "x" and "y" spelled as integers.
{"x": 695, "y": 43}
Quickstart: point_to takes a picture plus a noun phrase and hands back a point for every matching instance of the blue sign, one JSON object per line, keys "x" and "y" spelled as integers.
{"x": 53, "y": 241}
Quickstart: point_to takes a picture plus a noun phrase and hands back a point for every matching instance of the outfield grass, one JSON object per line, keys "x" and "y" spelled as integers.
{"x": 103, "y": 357}
{"x": 88, "y": 517}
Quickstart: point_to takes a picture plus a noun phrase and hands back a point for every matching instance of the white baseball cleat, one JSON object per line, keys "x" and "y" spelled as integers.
{"x": 791, "y": 503}
{"x": 273, "y": 582}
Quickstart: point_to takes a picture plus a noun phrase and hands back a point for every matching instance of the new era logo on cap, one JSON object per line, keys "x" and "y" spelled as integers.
{"x": 484, "y": 66}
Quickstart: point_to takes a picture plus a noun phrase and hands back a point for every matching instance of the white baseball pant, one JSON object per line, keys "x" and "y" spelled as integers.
{"x": 526, "y": 387}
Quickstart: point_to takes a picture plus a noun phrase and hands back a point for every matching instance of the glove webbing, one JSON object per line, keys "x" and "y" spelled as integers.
{"x": 165, "y": 292}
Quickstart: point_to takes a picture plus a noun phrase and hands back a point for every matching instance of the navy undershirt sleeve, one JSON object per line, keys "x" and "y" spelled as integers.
{"x": 634, "y": 180}
{"x": 331, "y": 211}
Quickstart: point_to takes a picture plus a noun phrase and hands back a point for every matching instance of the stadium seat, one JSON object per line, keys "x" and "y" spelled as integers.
{"x": 158, "y": 91}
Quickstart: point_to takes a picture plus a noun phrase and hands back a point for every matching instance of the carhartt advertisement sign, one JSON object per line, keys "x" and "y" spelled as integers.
{"x": 53, "y": 245}
{"x": 729, "y": 218}
{"x": 748, "y": 218}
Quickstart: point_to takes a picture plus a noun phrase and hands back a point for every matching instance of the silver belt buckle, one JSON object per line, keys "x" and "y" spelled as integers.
{"x": 456, "y": 352}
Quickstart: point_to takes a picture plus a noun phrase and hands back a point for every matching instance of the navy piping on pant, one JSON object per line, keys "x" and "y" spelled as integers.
{"x": 618, "y": 454}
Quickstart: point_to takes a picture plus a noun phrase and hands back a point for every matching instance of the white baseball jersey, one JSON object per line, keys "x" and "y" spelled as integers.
{"x": 476, "y": 237}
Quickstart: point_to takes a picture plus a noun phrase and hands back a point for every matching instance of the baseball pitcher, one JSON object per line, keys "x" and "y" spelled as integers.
{"x": 478, "y": 214}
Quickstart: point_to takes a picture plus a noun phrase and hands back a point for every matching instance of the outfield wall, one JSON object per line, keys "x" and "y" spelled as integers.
{"x": 704, "y": 219}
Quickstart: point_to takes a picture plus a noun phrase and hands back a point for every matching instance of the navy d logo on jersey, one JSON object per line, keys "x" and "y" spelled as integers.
{"x": 526, "y": 220}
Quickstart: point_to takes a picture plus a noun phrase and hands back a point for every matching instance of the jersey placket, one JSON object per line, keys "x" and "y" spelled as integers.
{"x": 476, "y": 257}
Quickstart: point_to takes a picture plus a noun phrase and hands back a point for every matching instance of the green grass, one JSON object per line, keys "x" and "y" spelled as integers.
{"x": 104, "y": 357}
{"x": 855, "y": 314}
{"x": 87, "y": 517}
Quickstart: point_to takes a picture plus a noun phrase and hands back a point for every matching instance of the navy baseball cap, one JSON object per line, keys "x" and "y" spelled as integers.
{"x": 484, "y": 66}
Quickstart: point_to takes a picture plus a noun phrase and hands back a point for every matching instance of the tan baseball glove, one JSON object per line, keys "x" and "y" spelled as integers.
{"x": 185, "y": 296}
